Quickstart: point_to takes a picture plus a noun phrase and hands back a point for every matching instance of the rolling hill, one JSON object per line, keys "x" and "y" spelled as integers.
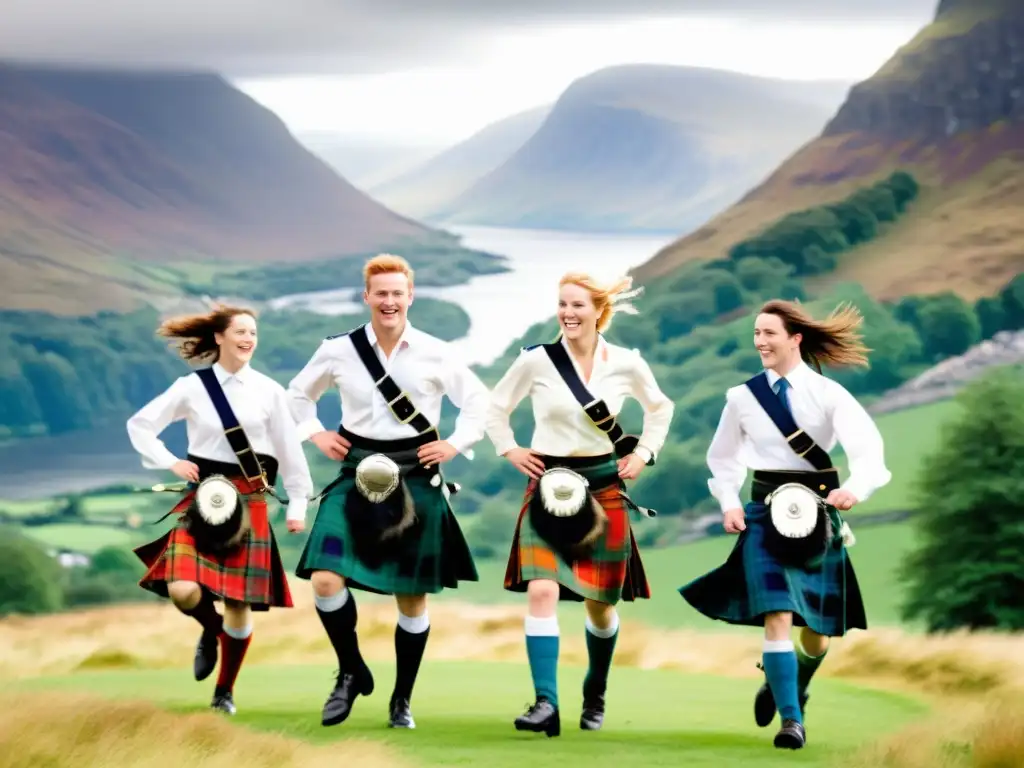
{"x": 948, "y": 107}
{"x": 646, "y": 147}
{"x": 431, "y": 187}
{"x": 109, "y": 177}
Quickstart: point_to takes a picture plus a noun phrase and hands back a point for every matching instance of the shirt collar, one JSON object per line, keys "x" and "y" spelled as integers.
{"x": 403, "y": 340}
{"x": 223, "y": 375}
{"x": 794, "y": 377}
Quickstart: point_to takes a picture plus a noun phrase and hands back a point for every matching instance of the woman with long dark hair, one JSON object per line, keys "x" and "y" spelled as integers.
{"x": 195, "y": 571}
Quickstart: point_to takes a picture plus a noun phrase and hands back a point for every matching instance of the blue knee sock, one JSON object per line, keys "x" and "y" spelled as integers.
{"x": 781, "y": 668}
{"x": 542, "y": 650}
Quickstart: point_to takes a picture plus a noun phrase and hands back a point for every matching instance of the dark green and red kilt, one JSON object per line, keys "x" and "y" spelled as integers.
{"x": 251, "y": 573}
{"x": 824, "y": 596}
{"x": 429, "y": 557}
{"x": 613, "y": 571}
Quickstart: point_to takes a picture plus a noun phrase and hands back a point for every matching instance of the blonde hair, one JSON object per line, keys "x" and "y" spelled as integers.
{"x": 197, "y": 332}
{"x": 607, "y": 299}
{"x": 835, "y": 341}
{"x": 386, "y": 264}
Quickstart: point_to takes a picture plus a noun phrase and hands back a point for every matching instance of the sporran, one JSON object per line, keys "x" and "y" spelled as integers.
{"x": 799, "y": 525}
{"x": 380, "y": 508}
{"x": 217, "y": 517}
{"x": 565, "y": 513}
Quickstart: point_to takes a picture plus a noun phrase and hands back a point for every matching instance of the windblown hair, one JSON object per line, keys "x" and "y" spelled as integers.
{"x": 196, "y": 332}
{"x": 835, "y": 341}
{"x": 385, "y": 264}
{"x": 608, "y": 299}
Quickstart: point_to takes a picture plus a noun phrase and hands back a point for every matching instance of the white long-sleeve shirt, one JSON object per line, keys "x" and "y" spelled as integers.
{"x": 424, "y": 366}
{"x": 561, "y": 428}
{"x": 746, "y": 438}
{"x": 261, "y": 407}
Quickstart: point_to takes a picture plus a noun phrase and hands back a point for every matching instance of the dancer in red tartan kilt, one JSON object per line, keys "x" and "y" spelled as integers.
{"x": 586, "y": 551}
{"x": 248, "y": 575}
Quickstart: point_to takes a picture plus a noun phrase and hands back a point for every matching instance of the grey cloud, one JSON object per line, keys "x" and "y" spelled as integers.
{"x": 255, "y": 38}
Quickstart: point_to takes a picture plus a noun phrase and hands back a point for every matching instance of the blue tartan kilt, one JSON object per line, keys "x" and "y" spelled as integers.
{"x": 751, "y": 583}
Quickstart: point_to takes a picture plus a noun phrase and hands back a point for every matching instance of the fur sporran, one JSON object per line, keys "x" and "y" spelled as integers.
{"x": 217, "y": 517}
{"x": 380, "y": 509}
{"x": 565, "y": 514}
{"x": 799, "y": 528}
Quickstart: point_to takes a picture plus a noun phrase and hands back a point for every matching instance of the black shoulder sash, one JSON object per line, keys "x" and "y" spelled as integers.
{"x": 802, "y": 444}
{"x": 596, "y": 410}
{"x": 401, "y": 406}
{"x": 233, "y": 431}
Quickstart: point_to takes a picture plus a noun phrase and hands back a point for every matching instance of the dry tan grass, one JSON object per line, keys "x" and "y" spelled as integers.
{"x": 157, "y": 636}
{"x": 978, "y": 678}
{"x": 84, "y": 730}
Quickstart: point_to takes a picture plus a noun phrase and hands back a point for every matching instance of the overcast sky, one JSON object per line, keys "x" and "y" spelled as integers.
{"x": 373, "y": 68}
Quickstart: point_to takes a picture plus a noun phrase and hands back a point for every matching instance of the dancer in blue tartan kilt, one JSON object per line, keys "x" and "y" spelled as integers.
{"x": 781, "y": 423}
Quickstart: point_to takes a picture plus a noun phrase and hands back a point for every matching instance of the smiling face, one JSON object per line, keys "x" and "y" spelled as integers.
{"x": 779, "y": 351}
{"x": 238, "y": 341}
{"x": 576, "y": 312}
{"x": 388, "y": 296}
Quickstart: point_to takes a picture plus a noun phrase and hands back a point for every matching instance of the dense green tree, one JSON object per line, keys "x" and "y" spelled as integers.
{"x": 30, "y": 580}
{"x": 967, "y": 571}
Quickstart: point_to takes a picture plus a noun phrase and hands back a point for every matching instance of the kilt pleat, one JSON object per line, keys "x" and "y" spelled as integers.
{"x": 251, "y": 573}
{"x": 613, "y": 571}
{"x": 431, "y": 557}
{"x": 751, "y": 583}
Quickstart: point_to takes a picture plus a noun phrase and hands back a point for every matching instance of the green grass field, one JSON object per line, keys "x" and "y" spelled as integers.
{"x": 464, "y": 713}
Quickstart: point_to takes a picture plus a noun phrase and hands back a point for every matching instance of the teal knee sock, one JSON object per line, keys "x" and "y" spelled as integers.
{"x": 781, "y": 669}
{"x": 542, "y": 650}
{"x": 806, "y": 667}
{"x": 600, "y": 649}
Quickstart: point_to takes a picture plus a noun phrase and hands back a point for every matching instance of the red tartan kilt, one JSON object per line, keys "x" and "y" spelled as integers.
{"x": 251, "y": 573}
{"x": 605, "y": 577}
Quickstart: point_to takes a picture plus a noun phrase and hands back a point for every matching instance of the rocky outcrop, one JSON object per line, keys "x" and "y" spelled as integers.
{"x": 948, "y": 377}
{"x": 944, "y": 86}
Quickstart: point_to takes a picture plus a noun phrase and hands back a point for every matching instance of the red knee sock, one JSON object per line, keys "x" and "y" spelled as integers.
{"x": 232, "y": 654}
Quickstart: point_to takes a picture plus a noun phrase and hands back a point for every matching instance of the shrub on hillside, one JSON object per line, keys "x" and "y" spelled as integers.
{"x": 30, "y": 580}
{"x": 968, "y": 569}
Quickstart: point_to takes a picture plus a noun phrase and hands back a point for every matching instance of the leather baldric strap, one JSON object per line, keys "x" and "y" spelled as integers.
{"x": 398, "y": 400}
{"x": 596, "y": 410}
{"x": 803, "y": 445}
{"x": 233, "y": 431}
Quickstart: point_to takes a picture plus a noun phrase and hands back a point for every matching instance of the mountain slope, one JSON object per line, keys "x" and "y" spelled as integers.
{"x": 367, "y": 162}
{"x": 105, "y": 171}
{"x": 647, "y": 147}
{"x": 432, "y": 186}
{"x": 949, "y": 108}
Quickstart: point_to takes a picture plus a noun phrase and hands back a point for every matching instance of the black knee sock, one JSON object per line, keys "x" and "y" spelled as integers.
{"x": 409, "y": 647}
{"x": 205, "y": 612}
{"x": 340, "y": 625}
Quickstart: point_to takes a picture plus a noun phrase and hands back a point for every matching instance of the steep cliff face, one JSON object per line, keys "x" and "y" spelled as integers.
{"x": 948, "y": 107}
{"x": 959, "y": 84}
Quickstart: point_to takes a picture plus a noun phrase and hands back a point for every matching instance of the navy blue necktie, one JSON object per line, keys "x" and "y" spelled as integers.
{"x": 782, "y": 390}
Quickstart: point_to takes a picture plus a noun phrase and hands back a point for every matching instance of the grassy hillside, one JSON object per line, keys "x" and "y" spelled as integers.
{"x": 647, "y": 147}
{"x": 932, "y": 111}
{"x": 118, "y": 187}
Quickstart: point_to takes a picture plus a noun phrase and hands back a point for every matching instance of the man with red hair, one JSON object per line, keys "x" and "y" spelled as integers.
{"x": 385, "y": 524}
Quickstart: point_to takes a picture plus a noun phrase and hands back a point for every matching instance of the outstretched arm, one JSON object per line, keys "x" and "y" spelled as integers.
{"x": 728, "y": 473}
{"x": 658, "y": 410}
{"x": 306, "y": 389}
{"x": 506, "y": 395}
{"x": 294, "y": 468}
{"x": 468, "y": 393}
{"x": 145, "y": 426}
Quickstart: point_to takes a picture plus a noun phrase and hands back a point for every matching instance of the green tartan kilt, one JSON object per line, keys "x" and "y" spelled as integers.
{"x": 751, "y": 583}
{"x": 431, "y": 556}
{"x": 613, "y": 571}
